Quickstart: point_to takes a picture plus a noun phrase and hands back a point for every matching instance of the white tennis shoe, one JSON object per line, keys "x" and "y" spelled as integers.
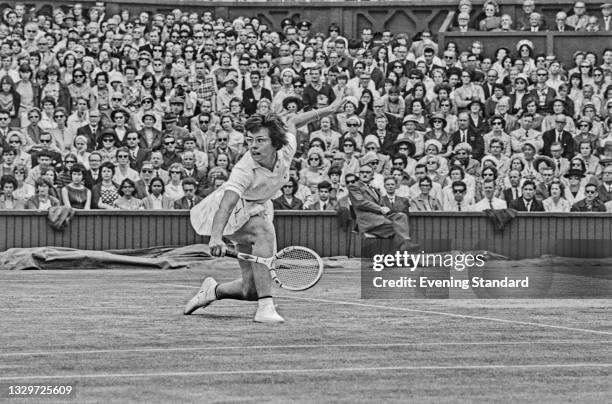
{"x": 204, "y": 297}
{"x": 267, "y": 314}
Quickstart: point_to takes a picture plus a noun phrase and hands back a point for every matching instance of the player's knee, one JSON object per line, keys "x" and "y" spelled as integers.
{"x": 249, "y": 292}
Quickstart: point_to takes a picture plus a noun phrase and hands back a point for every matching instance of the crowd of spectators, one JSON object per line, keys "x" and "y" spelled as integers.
{"x": 147, "y": 111}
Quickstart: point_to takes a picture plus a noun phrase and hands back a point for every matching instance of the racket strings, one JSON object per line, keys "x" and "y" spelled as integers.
{"x": 297, "y": 268}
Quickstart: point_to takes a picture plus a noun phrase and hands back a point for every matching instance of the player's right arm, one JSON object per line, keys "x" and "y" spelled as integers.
{"x": 226, "y": 207}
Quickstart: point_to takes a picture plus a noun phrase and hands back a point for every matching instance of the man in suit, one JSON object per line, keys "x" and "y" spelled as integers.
{"x": 561, "y": 23}
{"x": 325, "y": 202}
{"x": 138, "y": 155}
{"x": 514, "y": 190}
{"x": 91, "y": 131}
{"x": 374, "y": 218}
{"x": 536, "y": 23}
{"x": 489, "y": 84}
{"x": 92, "y": 176}
{"x": 542, "y": 92}
{"x": 605, "y": 188}
{"x": 466, "y": 135}
{"x": 463, "y": 23}
{"x": 591, "y": 202}
{"x": 157, "y": 160}
{"x": 561, "y": 164}
{"x": 251, "y": 96}
{"x": 579, "y": 19}
{"x": 459, "y": 201}
{"x": 191, "y": 170}
{"x": 558, "y": 135}
{"x": 395, "y": 203}
{"x": 527, "y": 202}
{"x": 606, "y": 18}
{"x": 190, "y": 199}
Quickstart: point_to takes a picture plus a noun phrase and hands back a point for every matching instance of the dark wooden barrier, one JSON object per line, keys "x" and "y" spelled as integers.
{"x": 529, "y": 235}
{"x": 561, "y": 44}
{"x": 351, "y": 16}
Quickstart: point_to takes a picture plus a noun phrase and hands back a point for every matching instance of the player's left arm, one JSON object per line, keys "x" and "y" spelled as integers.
{"x": 305, "y": 117}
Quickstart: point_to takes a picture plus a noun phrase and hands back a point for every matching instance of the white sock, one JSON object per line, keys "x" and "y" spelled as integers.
{"x": 265, "y": 303}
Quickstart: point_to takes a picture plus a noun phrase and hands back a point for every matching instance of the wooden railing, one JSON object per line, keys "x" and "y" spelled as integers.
{"x": 529, "y": 235}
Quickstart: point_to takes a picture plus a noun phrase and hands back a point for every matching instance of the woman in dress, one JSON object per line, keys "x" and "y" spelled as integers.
{"x": 75, "y": 194}
{"x": 127, "y": 201}
{"x": 106, "y": 192}
{"x": 174, "y": 189}
{"x": 241, "y": 209}
{"x": 8, "y": 183}
{"x": 23, "y": 190}
{"x": 556, "y": 202}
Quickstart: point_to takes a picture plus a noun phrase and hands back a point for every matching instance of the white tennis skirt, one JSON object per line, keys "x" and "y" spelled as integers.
{"x": 203, "y": 213}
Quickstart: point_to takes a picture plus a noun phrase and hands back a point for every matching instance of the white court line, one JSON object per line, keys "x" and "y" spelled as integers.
{"x": 308, "y": 370}
{"x": 441, "y": 313}
{"x": 305, "y": 346}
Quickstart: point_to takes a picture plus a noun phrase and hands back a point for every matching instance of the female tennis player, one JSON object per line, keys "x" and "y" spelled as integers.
{"x": 241, "y": 210}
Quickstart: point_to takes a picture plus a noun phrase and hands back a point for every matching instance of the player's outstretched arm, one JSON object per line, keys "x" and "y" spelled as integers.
{"x": 304, "y": 118}
{"x": 226, "y": 206}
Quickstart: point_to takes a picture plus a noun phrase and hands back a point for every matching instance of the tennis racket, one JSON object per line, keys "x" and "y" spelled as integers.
{"x": 292, "y": 268}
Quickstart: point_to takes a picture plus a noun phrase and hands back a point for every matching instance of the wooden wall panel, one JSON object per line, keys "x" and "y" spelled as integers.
{"x": 529, "y": 235}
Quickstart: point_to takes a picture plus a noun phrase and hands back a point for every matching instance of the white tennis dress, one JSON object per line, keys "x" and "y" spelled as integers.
{"x": 256, "y": 186}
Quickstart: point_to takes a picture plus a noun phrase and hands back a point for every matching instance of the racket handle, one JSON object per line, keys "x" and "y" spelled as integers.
{"x": 231, "y": 253}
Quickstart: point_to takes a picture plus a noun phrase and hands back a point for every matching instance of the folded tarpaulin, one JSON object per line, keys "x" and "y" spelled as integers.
{"x": 69, "y": 258}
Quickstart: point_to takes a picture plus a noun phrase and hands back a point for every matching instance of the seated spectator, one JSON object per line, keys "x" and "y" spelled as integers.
{"x": 591, "y": 202}
{"x": 42, "y": 200}
{"x": 491, "y": 20}
{"x": 75, "y": 194}
{"x": 23, "y": 189}
{"x": 392, "y": 200}
{"x": 106, "y": 191}
{"x": 157, "y": 200}
{"x": 489, "y": 201}
{"x": 288, "y": 200}
{"x": 458, "y": 202}
{"x": 174, "y": 187}
{"x": 372, "y": 216}
{"x": 527, "y": 202}
{"x": 324, "y": 201}
{"x": 189, "y": 199}
{"x": 424, "y": 201}
{"x": 127, "y": 199}
{"x": 463, "y": 23}
{"x": 579, "y": 20}
{"x": 556, "y": 202}
{"x": 8, "y": 184}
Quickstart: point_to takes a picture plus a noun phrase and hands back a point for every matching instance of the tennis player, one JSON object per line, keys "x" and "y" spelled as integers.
{"x": 241, "y": 210}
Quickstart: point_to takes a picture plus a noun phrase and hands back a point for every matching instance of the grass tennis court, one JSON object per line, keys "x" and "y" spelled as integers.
{"x": 121, "y": 337}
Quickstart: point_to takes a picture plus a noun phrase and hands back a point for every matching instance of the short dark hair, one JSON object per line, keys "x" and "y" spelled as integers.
{"x": 276, "y": 128}
{"x": 78, "y": 168}
{"x": 324, "y": 185}
{"x": 189, "y": 181}
{"x": 8, "y": 179}
{"x": 530, "y": 182}
{"x": 109, "y": 165}
{"x": 157, "y": 179}
{"x": 126, "y": 181}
